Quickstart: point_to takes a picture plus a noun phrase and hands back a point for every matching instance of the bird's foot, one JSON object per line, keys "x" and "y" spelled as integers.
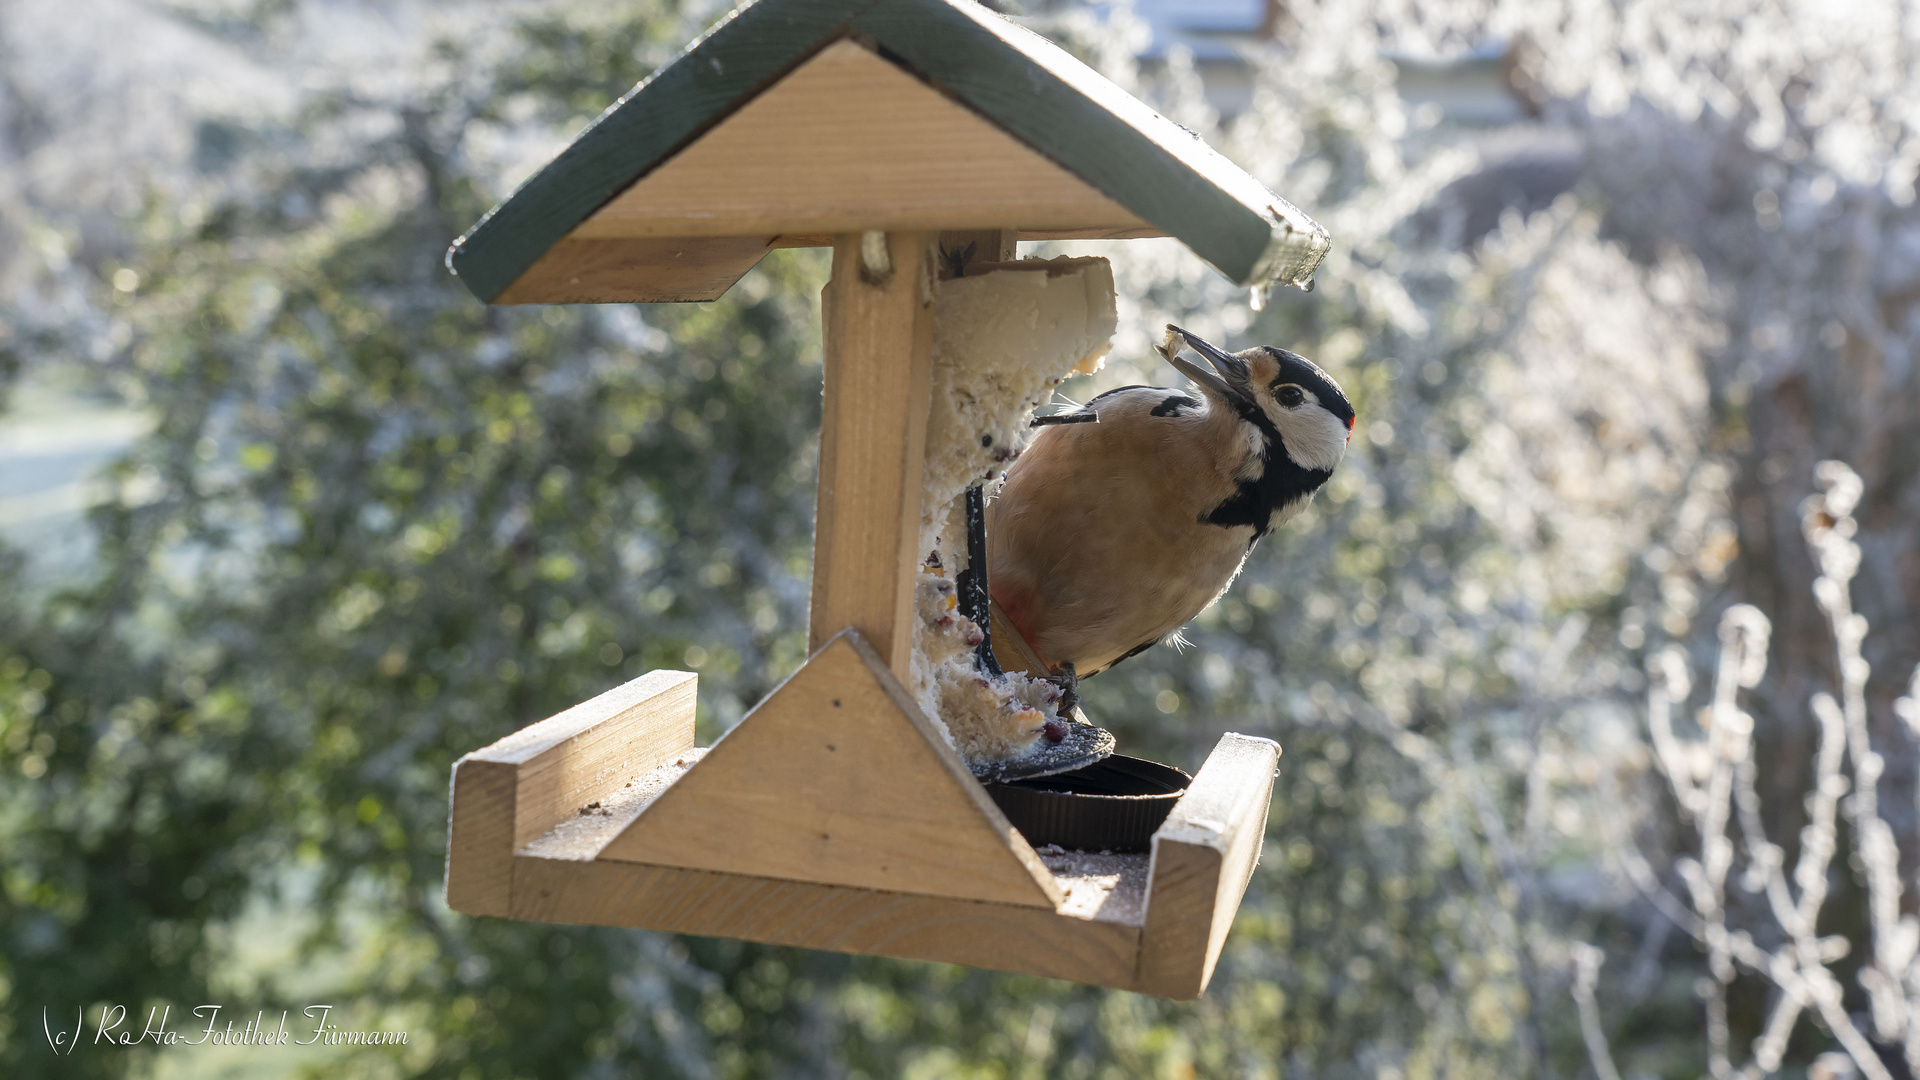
{"x": 1069, "y": 741}
{"x": 1068, "y": 681}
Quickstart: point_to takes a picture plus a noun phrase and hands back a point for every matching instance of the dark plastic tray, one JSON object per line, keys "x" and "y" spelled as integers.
{"x": 1112, "y": 805}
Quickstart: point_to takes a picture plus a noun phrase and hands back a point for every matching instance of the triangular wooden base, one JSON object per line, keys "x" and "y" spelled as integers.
{"x": 837, "y": 779}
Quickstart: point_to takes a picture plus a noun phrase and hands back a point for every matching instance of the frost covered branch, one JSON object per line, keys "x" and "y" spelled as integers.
{"x": 1713, "y": 780}
{"x": 1586, "y": 972}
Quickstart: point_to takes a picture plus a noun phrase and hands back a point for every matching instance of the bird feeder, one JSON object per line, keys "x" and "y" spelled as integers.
{"x": 836, "y": 815}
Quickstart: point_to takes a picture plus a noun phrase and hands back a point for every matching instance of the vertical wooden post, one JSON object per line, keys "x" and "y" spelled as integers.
{"x": 878, "y": 321}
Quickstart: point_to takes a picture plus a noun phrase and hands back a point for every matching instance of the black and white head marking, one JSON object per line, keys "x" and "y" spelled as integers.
{"x": 1308, "y": 409}
{"x": 1297, "y": 419}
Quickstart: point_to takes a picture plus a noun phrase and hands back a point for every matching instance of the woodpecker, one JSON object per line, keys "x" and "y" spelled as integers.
{"x": 1130, "y": 515}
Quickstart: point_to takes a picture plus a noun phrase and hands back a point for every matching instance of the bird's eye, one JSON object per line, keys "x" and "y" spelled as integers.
{"x": 1290, "y": 396}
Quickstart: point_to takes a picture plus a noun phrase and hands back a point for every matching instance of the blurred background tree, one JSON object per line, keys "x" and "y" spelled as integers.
{"x": 367, "y": 525}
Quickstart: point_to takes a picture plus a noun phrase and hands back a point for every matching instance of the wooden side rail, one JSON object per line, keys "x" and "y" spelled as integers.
{"x": 837, "y": 918}
{"x": 1203, "y": 857}
{"x": 522, "y": 786}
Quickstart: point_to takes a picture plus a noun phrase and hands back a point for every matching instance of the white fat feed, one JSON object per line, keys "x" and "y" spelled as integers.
{"x": 1003, "y": 338}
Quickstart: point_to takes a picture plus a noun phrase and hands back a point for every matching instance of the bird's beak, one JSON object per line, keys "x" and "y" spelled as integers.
{"x": 1230, "y": 383}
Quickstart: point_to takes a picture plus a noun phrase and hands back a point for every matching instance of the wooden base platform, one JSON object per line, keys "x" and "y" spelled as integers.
{"x": 835, "y": 817}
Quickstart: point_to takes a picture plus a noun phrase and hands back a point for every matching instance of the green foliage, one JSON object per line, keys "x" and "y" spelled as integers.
{"x": 378, "y": 526}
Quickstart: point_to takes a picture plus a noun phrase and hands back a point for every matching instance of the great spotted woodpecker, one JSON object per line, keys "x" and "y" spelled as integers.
{"x": 1132, "y": 514}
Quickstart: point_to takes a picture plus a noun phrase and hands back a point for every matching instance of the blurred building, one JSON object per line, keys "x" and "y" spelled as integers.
{"x": 1225, "y": 38}
{"x": 1483, "y": 97}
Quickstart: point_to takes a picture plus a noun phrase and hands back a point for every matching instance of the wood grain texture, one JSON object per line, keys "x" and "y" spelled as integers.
{"x": 1141, "y": 233}
{"x": 837, "y": 779}
{"x": 873, "y": 441}
{"x": 750, "y": 48}
{"x": 1001, "y": 936}
{"x": 1036, "y": 92}
{"x": 849, "y": 142}
{"x": 1093, "y": 922}
{"x": 582, "y": 837}
{"x": 1203, "y": 857}
{"x": 1051, "y": 101}
{"x": 480, "y": 837}
{"x": 658, "y": 269}
{"x": 522, "y": 786}
{"x": 812, "y": 240}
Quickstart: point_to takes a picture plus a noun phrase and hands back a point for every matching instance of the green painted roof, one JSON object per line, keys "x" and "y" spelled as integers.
{"x": 1028, "y": 86}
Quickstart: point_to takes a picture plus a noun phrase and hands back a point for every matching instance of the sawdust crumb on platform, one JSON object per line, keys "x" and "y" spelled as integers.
{"x": 590, "y": 828}
{"x": 1104, "y": 888}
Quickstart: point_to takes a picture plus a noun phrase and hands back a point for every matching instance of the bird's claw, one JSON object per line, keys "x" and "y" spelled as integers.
{"x": 1068, "y": 681}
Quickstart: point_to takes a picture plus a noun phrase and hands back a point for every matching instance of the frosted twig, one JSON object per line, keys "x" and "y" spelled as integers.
{"x": 1669, "y": 683}
{"x": 1907, "y": 708}
{"x": 1586, "y": 972}
{"x": 1716, "y": 776}
{"x": 1771, "y": 1046}
{"x": 1827, "y": 520}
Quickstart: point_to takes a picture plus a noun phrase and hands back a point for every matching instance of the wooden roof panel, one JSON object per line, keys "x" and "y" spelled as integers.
{"x": 750, "y": 47}
{"x": 848, "y": 142}
{"x": 1146, "y": 162}
{"x": 1161, "y": 177}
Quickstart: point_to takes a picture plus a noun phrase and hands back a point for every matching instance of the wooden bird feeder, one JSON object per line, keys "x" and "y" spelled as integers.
{"x": 835, "y": 816}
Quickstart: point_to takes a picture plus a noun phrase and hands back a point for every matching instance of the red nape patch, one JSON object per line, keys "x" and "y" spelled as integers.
{"x": 1016, "y": 606}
